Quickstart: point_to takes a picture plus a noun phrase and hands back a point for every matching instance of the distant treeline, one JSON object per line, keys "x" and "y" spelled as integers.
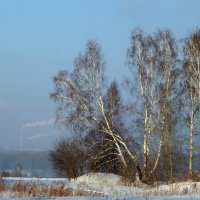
{"x": 26, "y": 164}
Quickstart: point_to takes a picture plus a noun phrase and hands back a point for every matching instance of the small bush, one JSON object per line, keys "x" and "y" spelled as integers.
{"x": 67, "y": 157}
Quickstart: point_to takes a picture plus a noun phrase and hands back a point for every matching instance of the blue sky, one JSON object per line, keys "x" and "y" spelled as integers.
{"x": 40, "y": 37}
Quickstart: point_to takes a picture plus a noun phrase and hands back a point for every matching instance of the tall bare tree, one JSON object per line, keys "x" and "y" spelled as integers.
{"x": 80, "y": 99}
{"x": 152, "y": 64}
{"x": 169, "y": 71}
{"x": 192, "y": 71}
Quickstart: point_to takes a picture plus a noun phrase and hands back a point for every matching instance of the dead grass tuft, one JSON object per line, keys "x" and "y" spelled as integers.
{"x": 174, "y": 189}
{"x": 194, "y": 187}
{"x": 81, "y": 192}
{"x": 2, "y": 185}
{"x": 59, "y": 190}
{"x": 19, "y": 187}
{"x": 185, "y": 190}
{"x": 34, "y": 190}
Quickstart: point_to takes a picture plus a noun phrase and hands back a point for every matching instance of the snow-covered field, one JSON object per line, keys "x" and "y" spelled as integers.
{"x": 110, "y": 198}
{"x": 108, "y": 187}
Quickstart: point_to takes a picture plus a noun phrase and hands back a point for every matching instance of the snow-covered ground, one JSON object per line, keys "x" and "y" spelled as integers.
{"x": 10, "y": 180}
{"x": 110, "y": 198}
{"x": 110, "y": 187}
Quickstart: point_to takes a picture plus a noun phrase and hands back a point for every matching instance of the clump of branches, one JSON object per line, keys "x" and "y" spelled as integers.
{"x": 68, "y": 157}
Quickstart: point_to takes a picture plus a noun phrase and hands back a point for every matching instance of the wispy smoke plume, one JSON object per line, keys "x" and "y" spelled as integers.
{"x": 39, "y": 123}
{"x": 37, "y": 136}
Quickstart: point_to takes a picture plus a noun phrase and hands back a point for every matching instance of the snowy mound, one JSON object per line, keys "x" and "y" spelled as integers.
{"x": 105, "y": 184}
{"x": 100, "y": 179}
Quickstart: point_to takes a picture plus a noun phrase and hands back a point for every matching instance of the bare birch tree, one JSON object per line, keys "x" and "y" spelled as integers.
{"x": 192, "y": 71}
{"x": 80, "y": 99}
{"x": 167, "y": 53}
{"x": 152, "y": 62}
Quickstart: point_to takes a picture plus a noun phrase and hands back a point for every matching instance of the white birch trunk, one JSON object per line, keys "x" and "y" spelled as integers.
{"x": 145, "y": 147}
{"x": 191, "y": 143}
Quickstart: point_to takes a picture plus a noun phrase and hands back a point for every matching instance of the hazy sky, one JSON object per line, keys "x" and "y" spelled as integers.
{"x": 40, "y": 37}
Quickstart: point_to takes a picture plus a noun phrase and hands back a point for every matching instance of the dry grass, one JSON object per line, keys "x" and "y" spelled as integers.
{"x": 23, "y": 189}
{"x": 194, "y": 187}
{"x": 58, "y": 190}
{"x": 174, "y": 189}
{"x": 19, "y": 187}
{"x": 185, "y": 190}
{"x": 186, "y": 179}
{"x": 2, "y": 185}
{"x": 34, "y": 190}
{"x": 81, "y": 192}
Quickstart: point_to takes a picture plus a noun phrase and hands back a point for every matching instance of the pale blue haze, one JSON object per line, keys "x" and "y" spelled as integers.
{"x": 40, "y": 37}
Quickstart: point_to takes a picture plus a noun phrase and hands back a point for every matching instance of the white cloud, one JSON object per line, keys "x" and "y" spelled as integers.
{"x": 39, "y": 123}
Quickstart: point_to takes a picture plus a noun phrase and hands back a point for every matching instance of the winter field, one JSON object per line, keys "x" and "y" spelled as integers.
{"x": 96, "y": 186}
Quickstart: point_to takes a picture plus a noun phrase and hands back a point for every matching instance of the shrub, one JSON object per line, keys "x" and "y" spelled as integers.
{"x": 67, "y": 157}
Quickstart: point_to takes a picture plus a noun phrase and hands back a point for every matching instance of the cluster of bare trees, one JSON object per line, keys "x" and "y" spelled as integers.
{"x": 157, "y": 130}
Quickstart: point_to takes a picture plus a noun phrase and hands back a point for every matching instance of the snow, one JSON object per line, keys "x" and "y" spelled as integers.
{"x": 100, "y": 178}
{"x": 111, "y": 198}
{"x": 33, "y": 179}
{"x": 112, "y": 187}
{"x": 105, "y": 184}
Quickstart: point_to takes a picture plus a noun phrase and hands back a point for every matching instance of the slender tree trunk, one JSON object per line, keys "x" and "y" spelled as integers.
{"x": 171, "y": 160}
{"x": 110, "y": 132}
{"x": 191, "y": 143}
{"x": 145, "y": 146}
{"x": 158, "y": 154}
